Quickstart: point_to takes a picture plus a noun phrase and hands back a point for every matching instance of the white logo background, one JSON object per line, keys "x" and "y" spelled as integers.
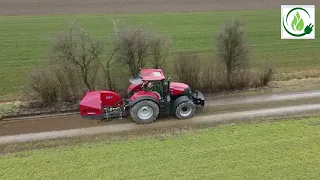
{"x": 307, "y": 20}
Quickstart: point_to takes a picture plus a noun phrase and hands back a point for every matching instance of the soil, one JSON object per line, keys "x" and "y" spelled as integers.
{"x": 49, "y": 7}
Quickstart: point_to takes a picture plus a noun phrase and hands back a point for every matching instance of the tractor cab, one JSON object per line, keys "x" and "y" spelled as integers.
{"x": 150, "y": 80}
{"x": 154, "y": 80}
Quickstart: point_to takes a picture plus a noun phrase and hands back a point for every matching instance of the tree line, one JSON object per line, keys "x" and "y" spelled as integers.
{"x": 79, "y": 62}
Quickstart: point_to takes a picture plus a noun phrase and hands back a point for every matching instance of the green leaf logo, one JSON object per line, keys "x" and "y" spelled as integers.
{"x": 297, "y": 24}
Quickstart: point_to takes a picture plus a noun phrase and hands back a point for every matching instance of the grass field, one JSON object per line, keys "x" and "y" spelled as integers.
{"x": 271, "y": 150}
{"x": 24, "y": 39}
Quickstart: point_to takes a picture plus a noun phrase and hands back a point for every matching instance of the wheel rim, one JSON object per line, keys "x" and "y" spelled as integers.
{"x": 145, "y": 112}
{"x": 185, "y": 111}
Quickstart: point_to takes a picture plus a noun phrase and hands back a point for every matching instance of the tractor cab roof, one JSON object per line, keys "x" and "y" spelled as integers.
{"x": 147, "y": 75}
{"x": 152, "y": 75}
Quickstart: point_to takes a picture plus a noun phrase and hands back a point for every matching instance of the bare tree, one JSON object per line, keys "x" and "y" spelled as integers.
{"x": 136, "y": 47}
{"x": 231, "y": 49}
{"x": 159, "y": 47}
{"x": 133, "y": 49}
{"x": 107, "y": 68}
{"x": 78, "y": 48}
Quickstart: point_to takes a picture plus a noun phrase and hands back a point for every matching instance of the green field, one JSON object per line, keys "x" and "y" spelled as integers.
{"x": 271, "y": 150}
{"x": 24, "y": 39}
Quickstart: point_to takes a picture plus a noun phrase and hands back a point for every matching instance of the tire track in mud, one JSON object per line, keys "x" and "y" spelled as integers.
{"x": 73, "y": 121}
{"x": 135, "y": 127}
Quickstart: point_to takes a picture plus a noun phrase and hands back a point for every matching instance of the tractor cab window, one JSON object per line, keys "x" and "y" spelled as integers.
{"x": 155, "y": 86}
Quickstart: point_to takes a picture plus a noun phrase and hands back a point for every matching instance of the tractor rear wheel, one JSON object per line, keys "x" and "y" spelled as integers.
{"x": 185, "y": 110}
{"x": 144, "y": 112}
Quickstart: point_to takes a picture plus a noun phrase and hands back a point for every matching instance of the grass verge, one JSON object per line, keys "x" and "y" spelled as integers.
{"x": 279, "y": 150}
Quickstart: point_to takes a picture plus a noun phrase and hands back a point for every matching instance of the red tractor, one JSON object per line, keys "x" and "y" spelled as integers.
{"x": 150, "y": 95}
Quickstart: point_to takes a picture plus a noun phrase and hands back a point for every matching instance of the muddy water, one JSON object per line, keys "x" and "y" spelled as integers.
{"x": 34, "y": 125}
{"x": 134, "y": 127}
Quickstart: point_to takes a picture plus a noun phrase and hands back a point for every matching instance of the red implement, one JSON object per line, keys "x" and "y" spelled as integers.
{"x": 93, "y": 103}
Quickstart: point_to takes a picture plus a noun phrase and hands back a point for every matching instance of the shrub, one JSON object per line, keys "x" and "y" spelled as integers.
{"x": 187, "y": 69}
{"x": 69, "y": 84}
{"x": 53, "y": 84}
{"x": 45, "y": 85}
{"x": 266, "y": 74}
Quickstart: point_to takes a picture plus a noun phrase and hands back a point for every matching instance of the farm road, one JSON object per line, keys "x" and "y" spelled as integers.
{"x": 136, "y": 127}
{"x": 54, "y": 123}
{"x": 70, "y": 123}
{"x": 265, "y": 98}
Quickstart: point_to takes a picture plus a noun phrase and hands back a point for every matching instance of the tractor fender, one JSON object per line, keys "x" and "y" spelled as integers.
{"x": 178, "y": 101}
{"x": 141, "y": 95}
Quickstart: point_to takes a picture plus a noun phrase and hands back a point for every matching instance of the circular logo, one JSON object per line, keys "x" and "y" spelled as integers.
{"x": 297, "y": 22}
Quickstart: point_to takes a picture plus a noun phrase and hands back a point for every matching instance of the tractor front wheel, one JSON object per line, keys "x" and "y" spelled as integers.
{"x": 185, "y": 110}
{"x": 144, "y": 112}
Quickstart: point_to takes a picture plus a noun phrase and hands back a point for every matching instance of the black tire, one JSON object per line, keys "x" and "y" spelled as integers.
{"x": 185, "y": 110}
{"x": 142, "y": 104}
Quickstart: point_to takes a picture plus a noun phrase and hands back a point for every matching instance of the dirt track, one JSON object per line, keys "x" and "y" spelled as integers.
{"x": 37, "y": 7}
{"x": 134, "y": 127}
{"x": 265, "y": 98}
{"x": 40, "y": 124}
